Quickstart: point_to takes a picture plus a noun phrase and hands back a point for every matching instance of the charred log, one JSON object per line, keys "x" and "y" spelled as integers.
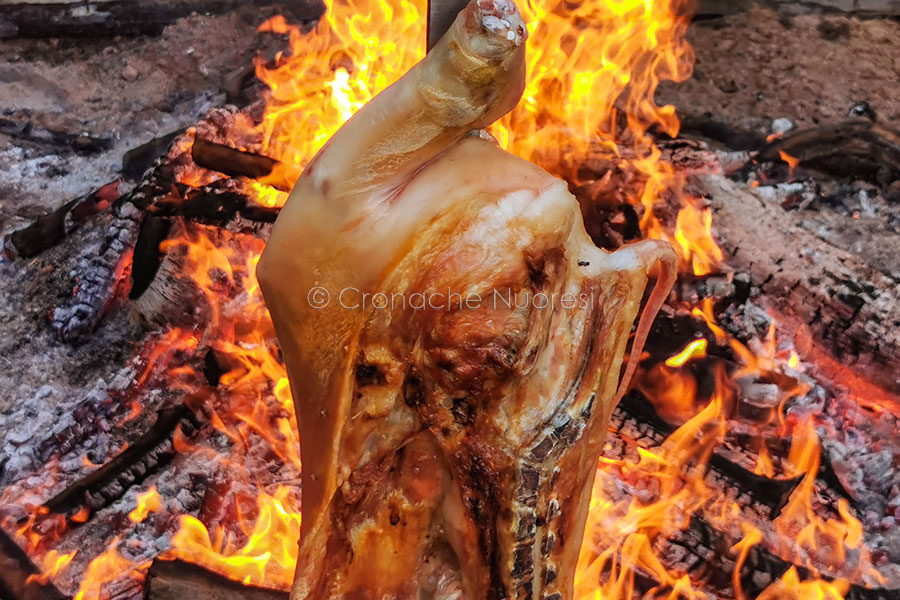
{"x": 102, "y": 268}
{"x": 48, "y": 230}
{"x": 636, "y": 418}
{"x": 231, "y": 161}
{"x": 20, "y": 579}
{"x": 845, "y": 311}
{"x": 772, "y": 493}
{"x": 171, "y": 295}
{"x": 89, "y": 417}
{"x": 138, "y": 161}
{"x": 150, "y": 452}
{"x": 97, "y": 281}
{"x": 856, "y": 147}
{"x": 81, "y": 143}
{"x": 711, "y": 127}
{"x": 176, "y": 580}
{"x": 168, "y": 296}
{"x": 707, "y": 554}
{"x": 147, "y": 255}
{"x": 214, "y": 204}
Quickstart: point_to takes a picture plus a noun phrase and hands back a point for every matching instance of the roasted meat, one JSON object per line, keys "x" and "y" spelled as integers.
{"x": 453, "y": 339}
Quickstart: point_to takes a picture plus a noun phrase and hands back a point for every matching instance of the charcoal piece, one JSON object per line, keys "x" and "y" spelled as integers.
{"x": 49, "y": 229}
{"x": 151, "y": 451}
{"x": 99, "y": 276}
{"x": 147, "y": 256}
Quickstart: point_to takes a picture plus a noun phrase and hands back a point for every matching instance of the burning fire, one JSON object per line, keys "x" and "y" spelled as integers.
{"x": 592, "y": 72}
{"x": 147, "y": 502}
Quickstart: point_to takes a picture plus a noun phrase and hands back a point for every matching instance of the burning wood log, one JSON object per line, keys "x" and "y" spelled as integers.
{"x": 20, "y": 579}
{"x": 856, "y": 147}
{"x": 141, "y": 220}
{"x": 147, "y": 259}
{"x": 710, "y": 555}
{"x": 137, "y": 161}
{"x": 96, "y": 283}
{"x": 48, "y": 230}
{"x": 81, "y": 143}
{"x": 214, "y": 204}
{"x": 636, "y": 418}
{"x": 848, "y": 308}
{"x": 151, "y": 451}
{"x": 70, "y": 18}
{"x": 166, "y": 292}
{"x": 178, "y": 580}
{"x": 231, "y": 161}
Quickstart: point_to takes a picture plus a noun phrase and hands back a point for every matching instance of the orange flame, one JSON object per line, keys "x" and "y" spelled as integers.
{"x": 693, "y": 233}
{"x": 147, "y": 502}
{"x": 51, "y": 564}
{"x": 106, "y": 568}
{"x": 267, "y": 558}
{"x": 694, "y": 349}
{"x": 789, "y": 587}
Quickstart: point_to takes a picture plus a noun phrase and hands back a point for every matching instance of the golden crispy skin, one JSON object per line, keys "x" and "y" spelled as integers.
{"x": 450, "y": 426}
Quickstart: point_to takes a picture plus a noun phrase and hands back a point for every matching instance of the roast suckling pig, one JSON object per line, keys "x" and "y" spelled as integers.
{"x": 452, "y": 337}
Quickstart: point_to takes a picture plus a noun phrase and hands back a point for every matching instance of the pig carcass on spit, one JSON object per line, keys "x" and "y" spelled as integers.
{"x": 449, "y": 427}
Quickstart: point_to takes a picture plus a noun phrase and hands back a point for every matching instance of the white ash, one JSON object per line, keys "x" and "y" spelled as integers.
{"x": 782, "y": 125}
{"x": 864, "y": 448}
{"x": 46, "y": 180}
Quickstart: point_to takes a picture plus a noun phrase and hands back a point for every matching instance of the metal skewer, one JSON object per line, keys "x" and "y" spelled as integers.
{"x": 441, "y": 14}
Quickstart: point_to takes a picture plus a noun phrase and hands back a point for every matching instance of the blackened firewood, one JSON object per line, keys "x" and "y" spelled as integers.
{"x": 16, "y": 569}
{"x": 174, "y": 297}
{"x": 147, "y": 255}
{"x": 858, "y": 592}
{"x": 706, "y": 555}
{"x": 122, "y": 17}
{"x": 212, "y": 368}
{"x": 636, "y": 418}
{"x": 773, "y": 493}
{"x": 138, "y": 160}
{"x": 100, "y": 272}
{"x": 214, "y": 204}
{"x": 89, "y": 418}
{"x": 99, "y": 276}
{"x": 231, "y": 161}
{"x": 713, "y": 128}
{"x": 150, "y": 452}
{"x": 177, "y": 580}
{"x": 828, "y": 475}
{"x": 48, "y": 230}
{"x": 81, "y": 143}
{"x": 856, "y": 147}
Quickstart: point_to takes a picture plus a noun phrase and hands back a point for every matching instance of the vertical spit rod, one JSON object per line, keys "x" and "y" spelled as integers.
{"x": 441, "y": 14}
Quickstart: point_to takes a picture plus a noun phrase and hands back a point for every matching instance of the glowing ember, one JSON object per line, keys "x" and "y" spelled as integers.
{"x": 792, "y": 161}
